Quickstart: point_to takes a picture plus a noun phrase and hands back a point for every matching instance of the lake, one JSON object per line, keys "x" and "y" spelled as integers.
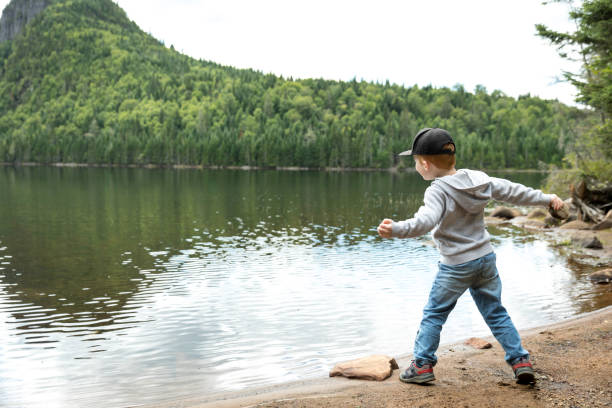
{"x": 121, "y": 287}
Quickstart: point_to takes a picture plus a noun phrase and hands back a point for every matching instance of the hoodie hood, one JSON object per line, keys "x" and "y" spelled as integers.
{"x": 470, "y": 189}
{"x": 453, "y": 210}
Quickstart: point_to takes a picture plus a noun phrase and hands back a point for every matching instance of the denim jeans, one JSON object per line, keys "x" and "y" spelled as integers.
{"x": 481, "y": 277}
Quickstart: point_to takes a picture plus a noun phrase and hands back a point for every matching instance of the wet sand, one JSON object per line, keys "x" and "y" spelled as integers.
{"x": 572, "y": 360}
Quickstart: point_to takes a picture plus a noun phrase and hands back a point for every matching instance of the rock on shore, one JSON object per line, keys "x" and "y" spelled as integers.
{"x": 603, "y": 276}
{"x": 590, "y": 242}
{"x": 376, "y": 367}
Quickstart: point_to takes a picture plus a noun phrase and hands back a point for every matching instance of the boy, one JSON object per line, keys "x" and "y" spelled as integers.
{"x": 454, "y": 208}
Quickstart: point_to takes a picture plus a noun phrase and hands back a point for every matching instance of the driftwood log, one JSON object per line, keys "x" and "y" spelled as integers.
{"x": 592, "y": 200}
{"x": 588, "y": 212}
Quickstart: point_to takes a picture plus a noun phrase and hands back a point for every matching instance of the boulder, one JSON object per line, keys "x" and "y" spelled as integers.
{"x": 537, "y": 213}
{"x": 562, "y": 213}
{"x": 495, "y": 221}
{"x": 478, "y": 343}
{"x": 551, "y": 221}
{"x": 505, "y": 212}
{"x": 588, "y": 242}
{"x": 594, "y": 243}
{"x": 576, "y": 224}
{"x": 375, "y": 367}
{"x": 604, "y": 276}
{"x": 531, "y": 223}
{"x": 572, "y": 217}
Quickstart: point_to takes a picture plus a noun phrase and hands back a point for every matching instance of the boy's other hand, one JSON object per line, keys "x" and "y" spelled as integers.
{"x": 556, "y": 203}
{"x": 385, "y": 227}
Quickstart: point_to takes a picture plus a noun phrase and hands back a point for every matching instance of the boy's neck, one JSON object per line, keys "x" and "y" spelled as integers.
{"x": 446, "y": 172}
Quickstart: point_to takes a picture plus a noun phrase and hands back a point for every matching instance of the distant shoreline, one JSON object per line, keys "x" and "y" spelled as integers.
{"x": 244, "y": 168}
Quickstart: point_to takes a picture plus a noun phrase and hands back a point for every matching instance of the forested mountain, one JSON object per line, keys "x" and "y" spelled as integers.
{"x": 82, "y": 83}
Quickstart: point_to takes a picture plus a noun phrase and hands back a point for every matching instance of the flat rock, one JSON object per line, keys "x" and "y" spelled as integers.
{"x": 376, "y": 367}
{"x": 591, "y": 242}
{"x": 576, "y": 224}
{"x": 605, "y": 224}
{"x": 603, "y": 276}
{"x": 478, "y": 343}
{"x": 505, "y": 212}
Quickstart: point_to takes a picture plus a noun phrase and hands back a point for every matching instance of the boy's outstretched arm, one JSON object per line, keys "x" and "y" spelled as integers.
{"x": 515, "y": 193}
{"x": 428, "y": 215}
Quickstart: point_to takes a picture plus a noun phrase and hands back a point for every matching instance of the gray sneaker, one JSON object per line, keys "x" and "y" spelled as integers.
{"x": 523, "y": 371}
{"x": 416, "y": 374}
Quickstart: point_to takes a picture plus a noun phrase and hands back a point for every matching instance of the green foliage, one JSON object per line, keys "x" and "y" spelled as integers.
{"x": 85, "y": 84}
{"x": 558, "y": 181}
{"x": 591, "y": 156}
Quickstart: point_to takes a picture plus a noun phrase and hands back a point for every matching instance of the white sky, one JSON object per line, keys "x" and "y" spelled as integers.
{"x": 437, "y": 42}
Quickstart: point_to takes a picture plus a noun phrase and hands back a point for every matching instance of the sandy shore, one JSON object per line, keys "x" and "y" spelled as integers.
{"x": 572, "y": 360}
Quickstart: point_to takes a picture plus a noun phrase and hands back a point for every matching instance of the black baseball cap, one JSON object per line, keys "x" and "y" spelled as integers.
{"x": 430, "y": 141}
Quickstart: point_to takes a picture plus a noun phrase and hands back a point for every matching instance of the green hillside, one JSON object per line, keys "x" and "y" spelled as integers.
{"x": 84, "y": 84}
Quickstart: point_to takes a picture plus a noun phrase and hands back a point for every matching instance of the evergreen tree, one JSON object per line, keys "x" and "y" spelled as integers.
{"x": 591, "y": 155}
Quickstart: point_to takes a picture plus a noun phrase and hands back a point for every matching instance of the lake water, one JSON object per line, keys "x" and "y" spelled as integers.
{"x": 121, "y": 287}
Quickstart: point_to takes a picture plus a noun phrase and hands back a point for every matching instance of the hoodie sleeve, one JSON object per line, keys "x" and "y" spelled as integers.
{"x": 425, "y": 219}
{"x": 515, "y": 193}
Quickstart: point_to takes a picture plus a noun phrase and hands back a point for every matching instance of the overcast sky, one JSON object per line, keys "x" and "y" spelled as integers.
{"x": 437, "y": 42}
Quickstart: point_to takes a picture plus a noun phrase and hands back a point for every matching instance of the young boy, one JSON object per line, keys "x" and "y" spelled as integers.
{"x": 454, "y": 208}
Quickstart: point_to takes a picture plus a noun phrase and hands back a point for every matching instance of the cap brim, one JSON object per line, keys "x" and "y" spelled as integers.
{"x": 406, "y": 153}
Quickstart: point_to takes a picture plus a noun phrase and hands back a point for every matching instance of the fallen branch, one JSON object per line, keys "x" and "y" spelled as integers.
{"x": 588, "y": 212}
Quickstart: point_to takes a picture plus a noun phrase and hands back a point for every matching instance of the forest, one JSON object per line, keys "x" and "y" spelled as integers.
{"x": 84, "y": 84}
{"x": 590, "y": 156}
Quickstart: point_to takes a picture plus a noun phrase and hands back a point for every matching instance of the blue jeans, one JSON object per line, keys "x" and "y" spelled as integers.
{"x": 481, "y": 277}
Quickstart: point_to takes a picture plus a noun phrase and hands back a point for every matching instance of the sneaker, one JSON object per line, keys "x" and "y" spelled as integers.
{"x": 523, "y": 371}
{"x": 416, "y": 374}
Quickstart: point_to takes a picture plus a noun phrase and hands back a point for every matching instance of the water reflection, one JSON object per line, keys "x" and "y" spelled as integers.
{"x": 122, "y": 286}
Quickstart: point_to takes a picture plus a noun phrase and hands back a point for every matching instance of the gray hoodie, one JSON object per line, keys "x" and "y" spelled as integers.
{"x": 454, "y": 209}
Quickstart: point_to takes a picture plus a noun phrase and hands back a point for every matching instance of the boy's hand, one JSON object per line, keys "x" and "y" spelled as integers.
{"x": 384, "y": 229}
{"x": 556, "y": 203}
{"x": 558, "y": 208}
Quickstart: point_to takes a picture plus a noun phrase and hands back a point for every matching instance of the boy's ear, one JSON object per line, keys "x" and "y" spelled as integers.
{"x": 424, "y": 163}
